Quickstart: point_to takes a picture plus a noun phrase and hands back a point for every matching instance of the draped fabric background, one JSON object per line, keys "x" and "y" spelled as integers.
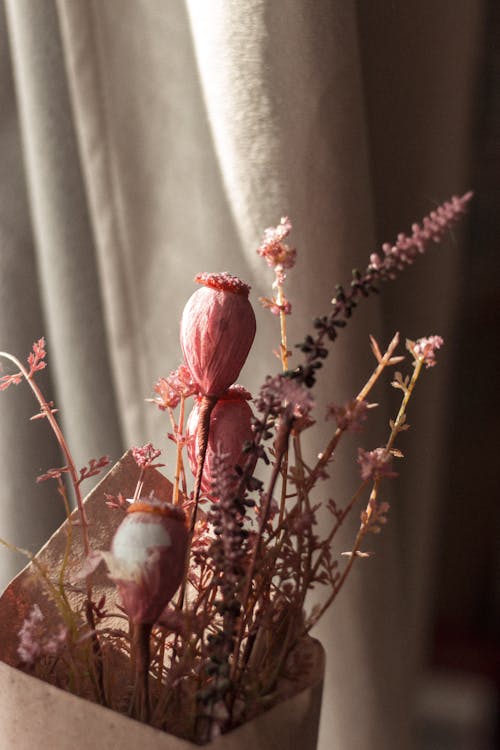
{"x": 142, "y": 141}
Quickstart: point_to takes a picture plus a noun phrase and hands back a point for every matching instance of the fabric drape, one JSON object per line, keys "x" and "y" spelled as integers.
{"x": 143, "y": 141}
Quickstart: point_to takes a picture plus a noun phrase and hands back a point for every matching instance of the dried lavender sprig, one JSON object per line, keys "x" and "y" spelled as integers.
{"x": 383, "y": 267}
{"x": 284, "y": 400}
{"x": 229, "y": 553}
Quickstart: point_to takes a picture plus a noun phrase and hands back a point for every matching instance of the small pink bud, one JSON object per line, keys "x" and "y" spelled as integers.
{"x": 217, "y": 331}
{"x": 230, "y": 428}
{"x": 147, "y": 558}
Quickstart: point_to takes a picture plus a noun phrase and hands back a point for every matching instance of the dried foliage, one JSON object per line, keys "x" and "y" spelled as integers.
{"x": 245, "y": 535}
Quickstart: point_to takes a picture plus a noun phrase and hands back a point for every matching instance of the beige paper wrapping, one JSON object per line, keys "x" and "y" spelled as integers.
{"x": 34, "y": 714}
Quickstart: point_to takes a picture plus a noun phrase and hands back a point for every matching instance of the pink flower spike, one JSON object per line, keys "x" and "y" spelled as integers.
{"x": 431, "y": 229}
{"x": 425, "y": 349}
{"x": 147, "y": 558}
{"x": 276, "y": 253}
{"x": 217, "y": 331}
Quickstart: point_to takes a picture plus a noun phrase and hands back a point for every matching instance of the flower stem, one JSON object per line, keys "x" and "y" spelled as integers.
{"x": 365, "y": 524}
{"x": 48, "y": 413}
{"x": 141, "y": 633}
{"x": 178, "y": 464}
{"x": 281, "y": 448}
{"x": 332, "y": 445}
{"x": 280, "y": 299}
{"x": 207, "y": 405}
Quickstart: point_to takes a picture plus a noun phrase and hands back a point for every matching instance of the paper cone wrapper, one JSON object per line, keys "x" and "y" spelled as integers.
{"x": 35, "y": 714}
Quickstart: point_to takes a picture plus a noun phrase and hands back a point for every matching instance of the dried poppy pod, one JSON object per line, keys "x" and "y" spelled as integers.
{"x": 217, "y": 331}
{"x": 147, "y": 558}
{"x": 230, "y": 428}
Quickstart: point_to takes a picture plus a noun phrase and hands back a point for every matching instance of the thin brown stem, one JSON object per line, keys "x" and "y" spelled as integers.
{"x": 207, "y": 405}
{"x": 48, "y": 413}
{"x": 141, "y": 633}
{"x": 383, "y": 362}
{"x": 281, "y": 448}
{"x": 280, "y": 299}
{"x": 365, "y": 524}
{"x": 178, "y": 464}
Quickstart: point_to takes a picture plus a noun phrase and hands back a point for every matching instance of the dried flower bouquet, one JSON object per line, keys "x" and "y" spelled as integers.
{"x": 212, "y": 572}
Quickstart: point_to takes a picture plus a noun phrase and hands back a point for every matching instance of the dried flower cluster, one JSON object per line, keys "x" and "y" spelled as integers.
{"x": 34, "y": 640}
{"x": 277, "y": 254}
{"x": 169, "y": 391}
{"x": 426, "y": 349}
{"x": 214, "y": 584}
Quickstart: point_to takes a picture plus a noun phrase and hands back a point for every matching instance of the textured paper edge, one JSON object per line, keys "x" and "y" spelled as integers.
{"x": 26, "y": 588}
{"x": 34, "y": 713}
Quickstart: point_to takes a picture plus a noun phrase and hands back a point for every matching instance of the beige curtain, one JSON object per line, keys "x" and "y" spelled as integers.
{"x": 142, "y": 141}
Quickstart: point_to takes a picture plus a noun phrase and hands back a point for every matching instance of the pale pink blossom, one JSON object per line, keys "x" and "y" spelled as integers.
{"x": 275, "y": 307}
{"x": 425, "y": 349}
{"x": 169, "y": 391}
{"x": 34, "y": 639}
{"x": 217, "y": 331}
{"x": 277, "y": 254}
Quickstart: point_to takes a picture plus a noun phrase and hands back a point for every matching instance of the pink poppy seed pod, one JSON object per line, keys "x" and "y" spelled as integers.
{"x": 230, "y": 428}
{"x": 217, "y": 331}
{"x": 147, "y": 558}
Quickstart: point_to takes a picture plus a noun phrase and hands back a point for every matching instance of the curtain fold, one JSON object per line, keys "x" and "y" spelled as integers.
{"x": 159, "y": 140}
{"x": 63, "y": 235}
{"x": 28, "y": 515}
{"x": 421, "y": 71}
